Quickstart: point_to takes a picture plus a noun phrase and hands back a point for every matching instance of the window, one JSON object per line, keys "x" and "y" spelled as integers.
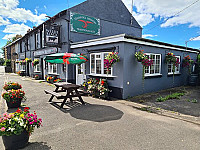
{"x": 37, "y": 68}
{"x": 52, "y": 68}
{"x": 22, "y": 67}
{"x": 97, "y": 64}
{"x": 177, "y": 69}
{"x": 154, "y": 69}
{"x": 37, "y": 40}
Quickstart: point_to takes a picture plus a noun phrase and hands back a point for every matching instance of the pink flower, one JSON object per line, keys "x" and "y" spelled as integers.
{"x": 31, "y": 122}
{"x": 2, "y": 129}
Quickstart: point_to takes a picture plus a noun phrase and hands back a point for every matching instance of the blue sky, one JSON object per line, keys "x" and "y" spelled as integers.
{"x": 16, "y": 16}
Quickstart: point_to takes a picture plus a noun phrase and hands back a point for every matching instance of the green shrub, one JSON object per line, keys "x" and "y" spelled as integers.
{"x": 171, "y": 96}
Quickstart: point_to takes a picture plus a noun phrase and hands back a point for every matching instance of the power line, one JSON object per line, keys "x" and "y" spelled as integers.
{"x": 173, "y": 15}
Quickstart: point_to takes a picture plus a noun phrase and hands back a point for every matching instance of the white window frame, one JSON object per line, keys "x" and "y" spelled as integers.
{"x": 37, "y": 68}
{"x": 50, "y": 70}
{"x": 22, "y": 68}
{"x": 102, "y": 65}
{"x": 149, "y": 68}
{"x": 177, "y": 70}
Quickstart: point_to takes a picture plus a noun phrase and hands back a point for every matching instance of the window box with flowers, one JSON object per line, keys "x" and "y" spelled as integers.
{"x": 15, "y": 128}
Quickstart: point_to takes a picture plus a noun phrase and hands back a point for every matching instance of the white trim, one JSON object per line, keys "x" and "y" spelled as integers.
{"x": 99, "y": 75}
{"x": 55, "y": 73}
{"x": 151, "y": 75}
{"x": 149, "y": 68}
{"x": 121, "y": 38}
{"x": 179, "y": 67}
{"x": 102, "y": 64}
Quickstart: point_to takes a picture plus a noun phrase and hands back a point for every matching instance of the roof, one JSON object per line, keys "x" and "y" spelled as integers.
{"x": 112, "y": 10}
{"x": 131, "y": 39}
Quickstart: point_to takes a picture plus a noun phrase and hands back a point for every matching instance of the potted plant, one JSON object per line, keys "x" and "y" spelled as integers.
{"x": 14, "y": 97}
{"x": 12, "y": 85}
{"x": 36, "y": 77}
{"x": 15, "y": 128}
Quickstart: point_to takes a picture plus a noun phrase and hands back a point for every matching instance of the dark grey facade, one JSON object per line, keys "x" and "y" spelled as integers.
{"x": 115, "y": 23}
{"x": 114, "y": 19}
{"x": 126, "y": 80}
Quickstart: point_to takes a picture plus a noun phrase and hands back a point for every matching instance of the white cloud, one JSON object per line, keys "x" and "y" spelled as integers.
{"x": 4, "y": 21}
{"x": 15, "y": 29}
{"x": 195, "y": 39}
{"x": 9, "y": 36}
{"x": 143, "y": 19}
{"x": 148, "y": 35}
{"x": 45, "y": 7}
{"x": 164, "y": 9}
{"x": 9, "y": 9}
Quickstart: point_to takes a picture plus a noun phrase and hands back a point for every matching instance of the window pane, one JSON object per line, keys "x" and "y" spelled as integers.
{"x": 92, "y": 64}
{"x": 106, "y": 71}
{"x": 98, "y": 66}
{"x": 54, "y": 68}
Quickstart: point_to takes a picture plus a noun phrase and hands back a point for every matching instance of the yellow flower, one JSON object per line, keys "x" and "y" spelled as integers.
{"x": 22, "y": 115}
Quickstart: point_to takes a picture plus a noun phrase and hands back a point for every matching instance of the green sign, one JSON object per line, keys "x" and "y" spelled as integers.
{"x": 84, "y": 24}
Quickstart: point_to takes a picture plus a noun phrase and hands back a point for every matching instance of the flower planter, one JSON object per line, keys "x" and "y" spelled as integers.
{"x": 15, "y": 142}
{"x": 16, "y": 104}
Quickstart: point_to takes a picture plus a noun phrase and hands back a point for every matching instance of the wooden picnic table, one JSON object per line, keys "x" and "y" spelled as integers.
{"x": 71, "y": 91}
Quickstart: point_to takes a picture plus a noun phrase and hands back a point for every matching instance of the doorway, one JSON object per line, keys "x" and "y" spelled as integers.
{"x": 80, "y": 74}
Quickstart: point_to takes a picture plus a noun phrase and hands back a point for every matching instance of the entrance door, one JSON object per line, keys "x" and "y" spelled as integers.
{"x": 80, "y": 74}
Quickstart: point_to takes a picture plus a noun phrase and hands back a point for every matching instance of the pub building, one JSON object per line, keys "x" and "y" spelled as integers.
{"x": 95, "y": 28}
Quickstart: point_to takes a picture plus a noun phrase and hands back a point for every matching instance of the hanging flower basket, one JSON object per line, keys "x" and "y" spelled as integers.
{"x": 110, "y": 60}
{"x": 172, "y": 59}
{"x": 28, "y": 60}
{"x": 22, "y": 62}
{"x": 145, "y": 61}
{"x": 35, "y": 62}
{"x": 187, "y": 63}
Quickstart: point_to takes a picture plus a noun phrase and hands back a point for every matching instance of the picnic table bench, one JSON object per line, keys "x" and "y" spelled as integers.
{"x": 71, "y": 91}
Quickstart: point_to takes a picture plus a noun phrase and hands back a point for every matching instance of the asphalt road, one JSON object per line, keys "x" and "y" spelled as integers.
{"x": 101, "y": 125}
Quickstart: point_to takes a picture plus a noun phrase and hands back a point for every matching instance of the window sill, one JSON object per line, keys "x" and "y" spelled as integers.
{"x": 53, "y": 74}
{"x": 153, "y": 76}
{"x": 171, "y": 74}
{"x": 99, "y": 75}
{"x": 37, "y": 71}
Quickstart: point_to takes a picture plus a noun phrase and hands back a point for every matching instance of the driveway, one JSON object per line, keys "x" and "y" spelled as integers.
{"x": 101, "y": 125}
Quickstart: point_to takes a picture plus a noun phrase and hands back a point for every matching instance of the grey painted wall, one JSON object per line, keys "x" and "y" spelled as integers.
{"x": 117, "y": 68}
{"x": 133, "y": 72}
